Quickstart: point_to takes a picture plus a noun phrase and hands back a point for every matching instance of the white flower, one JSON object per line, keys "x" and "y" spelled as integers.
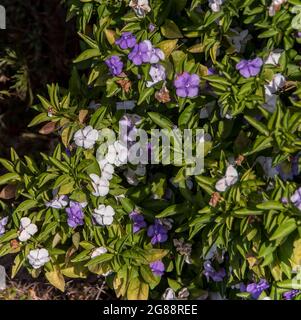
{"x": 101, "y": 186}
{"x": 107, "y": 170}
{"x": 27, "y": 229}
{"x": 215, "y": 5}
{"x": 141, "y": 7}
{"x": 86, "y": 137}
{"x": 59, "y": 202}
{"x": 157, "y": 73}
{"x": 98, "y": 251}
{"x": 240, "y": 39}
{"x": 266, "y": 163}
{"x": 169, "y": 294}
{"x": 274, "y": 57}
{"x": 117, "y": 154}
{"x": 275, "y": 5}
{"x": 104, "y": 215}
{"x": 37, "y": 258}
{"x": 131, "y": 175}
{"x": 228, "y": 180}
{"x": 275, "y": 84}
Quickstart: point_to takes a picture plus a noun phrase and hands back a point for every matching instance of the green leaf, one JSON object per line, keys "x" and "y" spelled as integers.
{"x": 170, "y": 30}
{"x": 26, "y": 205}
{"x": 99, "y": 259}
{"x": 270, "y": 205}
{"x": 173, "y": 210}
{"x": 9, "y": 177}
{"x": 88, "y": 54}
{"x": 160, "y": 120}
{"x": 284, "y": 229}
{"x": 145, "y": 94}
{"x": 258, "y": 125}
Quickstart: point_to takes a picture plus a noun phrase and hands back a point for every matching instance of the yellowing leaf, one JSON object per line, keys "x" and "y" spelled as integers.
{"x": 119, "y": 285}
{"x": 137, "y": 290}
{"x": 168, "y": 46}
{"x": 56, "y": 279}
{"x": 170, "y": 30}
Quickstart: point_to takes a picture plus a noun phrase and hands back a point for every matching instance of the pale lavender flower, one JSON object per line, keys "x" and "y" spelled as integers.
{"x": 296, "y": 198}
{"x": 157, "y": 73}
{"x": 249, "y": 68}
{"x": 138, "y": 220}
{"x": 255, "y": 289}
{"x": 126, "y": 41}
{"x": 187, "y": 85}
{"x": 157, "y": 268}
{"x": 3, "y": 223}
{"x": 156, "y": 55}
{"x": 151, "y": 27}
{"x": 75, "y": 214}
{"x": 115, "y": 65}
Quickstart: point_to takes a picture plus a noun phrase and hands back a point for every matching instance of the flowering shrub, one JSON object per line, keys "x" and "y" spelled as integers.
{"x": 230, "y": 67}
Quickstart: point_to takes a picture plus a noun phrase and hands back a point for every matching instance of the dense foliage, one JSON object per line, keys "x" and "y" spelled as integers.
{"x": 230, "y": 67}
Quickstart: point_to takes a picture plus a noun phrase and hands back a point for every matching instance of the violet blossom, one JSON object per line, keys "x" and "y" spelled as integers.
{"x": 126, "y": 41}
{"x": 157, "y": 268}
{"x": 138, "y": 220}
{"x": 115, "y": 65}
{"x": 141, "y": 53}
{"x": 290, "y": 295}
{"x": 210, "y": 272}
{"x": 75, "y": 214}
{"x": 249, "y": 68}
{"x": 255, "y": 289}
{"x": 187, "y": 85}
{"x": 157, "y": 232}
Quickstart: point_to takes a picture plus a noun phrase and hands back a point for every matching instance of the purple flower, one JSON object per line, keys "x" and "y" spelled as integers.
{"x": 296, "y": 198}
{"x": 187, "y": 85}
{"x": 3, "y": 223}
{"x": 157, "y": 268}
{"x": 211, "y": 71}
{"x": 138, "y": 220}
{"x": 249, "y": 68}
{"x": 75, "y": 214}
{"x": 210, "y": 272}
{"x": 151, "y": 27}
{"x": 141, "y": 53}
{"x": 257, "y": 288}
{"x": 115, "y": 65}
{"x": 157, "y": 232}
{"x": 291, "y": 294}
{"x": 126, "y": 41}
{"x": 288, "y": 170}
